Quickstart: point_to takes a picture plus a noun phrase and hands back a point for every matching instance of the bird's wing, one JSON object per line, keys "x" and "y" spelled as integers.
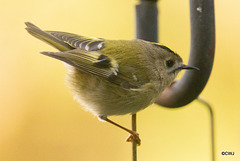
{"x": 47, "y": 37}
{"x": 64, "y": 41}
{"x": 95, "y": 63}
{"x": 91, "y": 62}
{"x": 85, "y": 54}
{"x": 88, "y": 59}
{"x": 82, "y": 42}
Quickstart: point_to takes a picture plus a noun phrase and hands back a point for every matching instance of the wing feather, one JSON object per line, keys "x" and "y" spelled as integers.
{"x": 83, "y": 53}
{"x": 86, "y": 61}
{"x": 82, "y": 42}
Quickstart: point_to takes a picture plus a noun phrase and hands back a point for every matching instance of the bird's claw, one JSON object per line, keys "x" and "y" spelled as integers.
{"x": 135, "y": 137}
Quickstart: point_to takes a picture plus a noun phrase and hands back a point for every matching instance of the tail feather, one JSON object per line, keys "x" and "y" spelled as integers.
{"x": 47, "y": 37}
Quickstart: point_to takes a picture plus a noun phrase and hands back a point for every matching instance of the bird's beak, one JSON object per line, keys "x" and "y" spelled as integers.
{"x": 188, "y": 67}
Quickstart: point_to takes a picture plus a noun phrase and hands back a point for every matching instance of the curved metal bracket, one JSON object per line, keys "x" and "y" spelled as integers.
{"x": 192, "y": 83}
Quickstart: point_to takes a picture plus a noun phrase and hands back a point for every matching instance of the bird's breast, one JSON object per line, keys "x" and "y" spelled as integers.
{"x": 102, "y": 97}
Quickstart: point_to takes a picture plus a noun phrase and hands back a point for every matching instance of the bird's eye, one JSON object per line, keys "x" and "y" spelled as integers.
{"x": 170, "y": 63}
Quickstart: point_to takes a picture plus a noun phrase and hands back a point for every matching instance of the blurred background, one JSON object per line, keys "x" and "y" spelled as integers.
{"x": 39, "y": 120}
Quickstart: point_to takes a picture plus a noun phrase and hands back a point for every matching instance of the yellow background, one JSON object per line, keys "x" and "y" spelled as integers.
{"x": 40, "y": 121}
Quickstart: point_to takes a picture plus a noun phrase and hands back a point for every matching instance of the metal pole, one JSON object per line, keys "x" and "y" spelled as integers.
{"x": 192, "y": 83}
{"x": 134, "y": 145}
{"x": 147, "y": 20}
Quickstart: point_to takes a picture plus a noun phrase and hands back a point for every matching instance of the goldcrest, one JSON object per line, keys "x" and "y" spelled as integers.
{"x": 113, "y": 77}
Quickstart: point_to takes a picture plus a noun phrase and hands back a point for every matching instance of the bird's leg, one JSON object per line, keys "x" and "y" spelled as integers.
{"x": 133, "y": 134}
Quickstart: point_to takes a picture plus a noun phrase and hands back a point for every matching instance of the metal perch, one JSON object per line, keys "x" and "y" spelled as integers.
{"x": 191, "y": 84}
{"x": 202, "y": 51}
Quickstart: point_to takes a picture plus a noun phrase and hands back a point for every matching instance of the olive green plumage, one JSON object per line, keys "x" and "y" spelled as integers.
{"x": 112, "y": 77}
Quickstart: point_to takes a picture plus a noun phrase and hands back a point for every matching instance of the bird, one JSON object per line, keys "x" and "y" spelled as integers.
{"x": 113, "y": 77}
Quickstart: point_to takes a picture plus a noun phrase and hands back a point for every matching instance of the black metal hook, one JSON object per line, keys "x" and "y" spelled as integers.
{"x": 202, "y": 51}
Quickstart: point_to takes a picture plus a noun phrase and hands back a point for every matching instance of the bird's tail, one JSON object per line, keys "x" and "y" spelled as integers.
{"x": 47, "y": 37}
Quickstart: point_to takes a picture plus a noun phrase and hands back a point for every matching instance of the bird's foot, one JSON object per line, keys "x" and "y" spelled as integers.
{"x": 134, "y": 136}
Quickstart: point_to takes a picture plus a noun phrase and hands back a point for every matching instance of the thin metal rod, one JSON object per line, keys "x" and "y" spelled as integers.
{"x": 134, "y": 144}
{"x": 212, "y": 129}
